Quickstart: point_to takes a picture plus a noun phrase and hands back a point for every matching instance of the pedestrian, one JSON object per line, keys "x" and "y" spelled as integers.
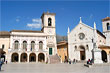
{"x": 74, "y": 61}
{"x": 88, "y": 62}
{"x": 6, "y": 61}
{"x": 69, "y": 61}
{"x": 0, "y": 65}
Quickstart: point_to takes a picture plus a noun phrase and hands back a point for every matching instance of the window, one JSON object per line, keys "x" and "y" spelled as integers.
{"x": 108, "y": 26}
{"x": 87, "y": 47}
{"x": 24, "y": 45}
{"x": 3, "y": 46}
{"x": 40, "y": 45}
{"x": 81, "y": 36}
{"x": 32, "y": 45}
{"x": 50, "y": 51}
{"x": 75, "y": 47}
{"x": 16, "y": 44}
{"x": 49, "y": 21}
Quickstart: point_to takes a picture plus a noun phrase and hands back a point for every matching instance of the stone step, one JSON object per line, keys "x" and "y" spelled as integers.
{"x": 54, "y": 59}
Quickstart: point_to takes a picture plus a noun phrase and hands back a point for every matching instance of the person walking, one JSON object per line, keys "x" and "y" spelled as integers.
{"x": 6, "y": 61}
{"x": 0, "y": 65}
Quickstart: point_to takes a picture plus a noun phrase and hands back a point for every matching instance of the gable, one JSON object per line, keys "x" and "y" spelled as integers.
{"x": 73, "y": 36}
{"x": 80, "y": 27}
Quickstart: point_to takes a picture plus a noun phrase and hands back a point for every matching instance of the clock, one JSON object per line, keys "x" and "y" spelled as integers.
{"x": 81, "y": 36}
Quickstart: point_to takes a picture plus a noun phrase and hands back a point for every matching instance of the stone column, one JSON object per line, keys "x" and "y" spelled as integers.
{"x": 19, "y": 58}
{"x": 36, "y": 57}
{"x": 28, "y": 45}
{"x": 27, "y": 57}
{"x": 96, "y": 50}
{"x": 20, "y": 45}
{"x": 108, "y": 60}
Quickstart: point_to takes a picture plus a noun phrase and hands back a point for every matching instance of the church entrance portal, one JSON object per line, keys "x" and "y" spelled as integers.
{"x": 82, "y": 53}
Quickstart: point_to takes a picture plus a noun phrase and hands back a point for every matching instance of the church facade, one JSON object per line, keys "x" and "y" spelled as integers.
{"x": 81, "y": 42}
{"x": 33, "y": 46}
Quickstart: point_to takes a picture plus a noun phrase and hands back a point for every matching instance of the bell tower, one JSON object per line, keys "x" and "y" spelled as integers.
{"x": 106, "y": 25}
{"x": 48, "y": 27}
{"x": 106, "y": 29}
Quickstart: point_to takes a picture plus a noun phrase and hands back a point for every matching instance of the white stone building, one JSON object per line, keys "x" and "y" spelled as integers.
{"x": 34, "y": 46}
{"x": 80, "y": 42}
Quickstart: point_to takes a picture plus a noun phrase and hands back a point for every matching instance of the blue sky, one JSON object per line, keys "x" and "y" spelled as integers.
{"x": 25, "y": 15}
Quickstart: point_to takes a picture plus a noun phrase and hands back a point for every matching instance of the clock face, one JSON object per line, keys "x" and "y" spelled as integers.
{"x": 81, "y": 36}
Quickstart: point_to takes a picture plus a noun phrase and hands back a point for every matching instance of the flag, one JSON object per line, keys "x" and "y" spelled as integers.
{"x": 31, "y": 49}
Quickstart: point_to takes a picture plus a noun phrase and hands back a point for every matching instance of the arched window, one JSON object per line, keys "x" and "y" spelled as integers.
{"x": 16, "y": 45}
{"x": 108, "y": 26}
{"x": 32, "y": 45}
{"x": 40, "y": 45}
{"x": 25, "y": 45}
{"x": 49, "y": 21}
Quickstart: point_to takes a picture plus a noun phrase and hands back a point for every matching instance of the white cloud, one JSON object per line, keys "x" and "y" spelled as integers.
{"x": 36, "y": 23}
{"x": 17, "y": 20}
{"x": 36, "y": 20}
{"x": 33, "y": 25}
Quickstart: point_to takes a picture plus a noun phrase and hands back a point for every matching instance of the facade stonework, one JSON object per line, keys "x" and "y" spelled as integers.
{"x": 33, "y": 46}
{"x": 81, "y": 42}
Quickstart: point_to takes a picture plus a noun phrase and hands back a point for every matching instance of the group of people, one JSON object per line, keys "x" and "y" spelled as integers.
{"x": 90, "y": 61}
{"x": 70, "y": 61}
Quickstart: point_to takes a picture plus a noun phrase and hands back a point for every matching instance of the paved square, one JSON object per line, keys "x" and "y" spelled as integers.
{"x": 54, "y": 68}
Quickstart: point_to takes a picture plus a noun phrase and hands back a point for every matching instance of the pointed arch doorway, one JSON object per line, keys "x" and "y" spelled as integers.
{"x": 82, "y": 53}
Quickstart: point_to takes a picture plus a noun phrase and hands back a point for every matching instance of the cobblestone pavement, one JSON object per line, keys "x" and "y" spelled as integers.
{"x": 54, "y": 68}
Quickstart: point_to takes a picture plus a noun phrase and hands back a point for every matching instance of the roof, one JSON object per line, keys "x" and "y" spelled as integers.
{"x": 101, "y": 34}
{"x": 26, "y": 31}
{"x": 4, "y": 33}
{"x": 104, "y": 46}
{"x": 62, "y": 43}
{"x": 47, "y": 13}
{"x": 106, "y": 19}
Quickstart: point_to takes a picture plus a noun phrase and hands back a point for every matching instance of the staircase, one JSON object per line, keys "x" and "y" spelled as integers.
{"x": 54, "y": 59}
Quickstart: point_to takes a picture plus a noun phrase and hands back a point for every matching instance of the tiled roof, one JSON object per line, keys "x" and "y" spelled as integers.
{"x": 101, "y": 34}
{"x": 47, "y": 13}
{"x": 104, "y": 46}
{"x": 106, "y": 19}
{"x": 62, "y": 43}
{"x": 26, "y": 31}
{"x": 4, "y": 33}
